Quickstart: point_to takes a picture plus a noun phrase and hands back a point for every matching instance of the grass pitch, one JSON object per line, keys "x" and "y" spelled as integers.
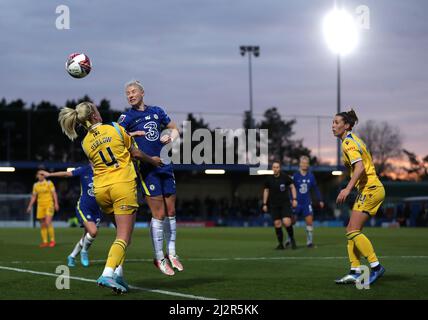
{"x": 220, "y": 263}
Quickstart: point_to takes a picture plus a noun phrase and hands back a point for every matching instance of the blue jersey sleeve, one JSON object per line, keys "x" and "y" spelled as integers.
{"x": 315, "y": 187}
{"x": 78, "y": 172}
{"x": 164, "y": 119}
{"x": 124, "y": 120}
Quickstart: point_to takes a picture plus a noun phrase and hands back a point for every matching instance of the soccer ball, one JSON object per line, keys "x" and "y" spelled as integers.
{"x": 78, "y": 65}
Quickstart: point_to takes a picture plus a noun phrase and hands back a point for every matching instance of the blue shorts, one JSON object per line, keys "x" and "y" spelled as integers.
{"x": 304, "y": 209}
{"x": 158, "y": 183}
{"x": 88, "y": 213}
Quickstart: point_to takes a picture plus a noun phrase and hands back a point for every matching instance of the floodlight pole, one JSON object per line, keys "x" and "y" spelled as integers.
{"x": 251, "y": 90}
{"x": 250, "y": 50}
{"x": 339, "y": 141}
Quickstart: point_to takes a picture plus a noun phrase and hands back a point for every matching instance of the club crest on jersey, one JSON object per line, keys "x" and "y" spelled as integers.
{"x": 152, "y": 187}
{"x": 91, "y": 192}
{"x": 156, "y": 116}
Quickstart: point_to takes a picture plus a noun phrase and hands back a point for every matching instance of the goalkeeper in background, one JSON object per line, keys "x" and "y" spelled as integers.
{"x": 47, "y": 203}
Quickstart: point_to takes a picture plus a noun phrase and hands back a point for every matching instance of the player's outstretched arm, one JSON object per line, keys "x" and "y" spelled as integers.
{"x": 139, "y": 133}
{"x": 59, "y": 174}
{"x": 140, "y": 155}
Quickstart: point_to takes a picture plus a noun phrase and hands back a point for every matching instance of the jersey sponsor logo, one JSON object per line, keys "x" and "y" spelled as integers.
{"x": 351, "y": 149}
{"x": 303, "y": 188}
{"x": 121, "y": 118}
{"x": 152, "y": 133}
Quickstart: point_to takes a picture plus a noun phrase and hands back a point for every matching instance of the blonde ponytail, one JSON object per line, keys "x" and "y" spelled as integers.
{"x": 68, "y": 118}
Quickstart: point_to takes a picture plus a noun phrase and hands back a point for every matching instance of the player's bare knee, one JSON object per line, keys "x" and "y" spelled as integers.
{"x": 93, "y": 233}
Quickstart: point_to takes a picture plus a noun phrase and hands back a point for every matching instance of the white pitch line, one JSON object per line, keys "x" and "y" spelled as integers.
{"x": 170, "y": 293}
{"x": 228, "y": 259}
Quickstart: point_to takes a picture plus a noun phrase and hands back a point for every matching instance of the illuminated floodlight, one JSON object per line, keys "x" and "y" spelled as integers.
{"x": 340, "y": 31}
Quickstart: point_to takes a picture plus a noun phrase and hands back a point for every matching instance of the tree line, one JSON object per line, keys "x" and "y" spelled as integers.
{"x": 32, "y": 133}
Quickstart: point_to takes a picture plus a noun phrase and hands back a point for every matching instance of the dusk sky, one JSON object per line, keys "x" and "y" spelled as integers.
{"x": 186, "y": 54}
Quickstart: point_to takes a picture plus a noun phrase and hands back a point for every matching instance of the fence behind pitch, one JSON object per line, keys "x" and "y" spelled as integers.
{"x": 13, "y": 210}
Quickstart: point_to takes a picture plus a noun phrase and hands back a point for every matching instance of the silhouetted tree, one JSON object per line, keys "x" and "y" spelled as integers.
{"x": 384, "y": 142}
{"x": 281, "y": 144}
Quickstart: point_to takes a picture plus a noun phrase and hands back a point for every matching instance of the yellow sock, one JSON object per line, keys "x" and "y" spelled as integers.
{"x": 51, "y": 233}
{"x": 363, "y": 245}
{"x": 116, "y": 254}
{"x": 354, "y": 255}
{"x": 44, "y": 234}
{"x": 122, "y": 260}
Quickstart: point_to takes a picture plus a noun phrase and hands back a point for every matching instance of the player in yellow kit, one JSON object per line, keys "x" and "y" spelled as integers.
{"x": 47, "y": 203}
{"x": 371, "y": 194}
{"x": 109, "y": 148}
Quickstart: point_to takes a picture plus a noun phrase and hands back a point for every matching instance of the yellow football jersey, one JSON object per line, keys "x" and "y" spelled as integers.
{"x": 354, "y": 150}
{"x": 107, "y": 147}
{"x": 44, "y": 191}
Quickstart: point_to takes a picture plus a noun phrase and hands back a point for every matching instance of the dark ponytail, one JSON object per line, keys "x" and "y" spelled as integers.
{"x": 349, "y": 117}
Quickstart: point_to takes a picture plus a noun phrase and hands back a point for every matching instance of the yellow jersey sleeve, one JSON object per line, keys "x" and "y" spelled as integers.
{"x": 51, "y": 186}
{"x": 127, "y": 139}
{"x": 35, "y": 188}
{"x": 352, "y": 150}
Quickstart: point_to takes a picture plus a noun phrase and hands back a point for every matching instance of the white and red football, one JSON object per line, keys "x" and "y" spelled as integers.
{"x": 78, "y": 65}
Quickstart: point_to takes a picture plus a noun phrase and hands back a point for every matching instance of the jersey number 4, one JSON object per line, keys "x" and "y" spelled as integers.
{"x": 112, "y": 157}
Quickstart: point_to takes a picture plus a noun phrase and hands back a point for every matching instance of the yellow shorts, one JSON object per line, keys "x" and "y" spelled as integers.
{"x": 44, "y": 210}
{"x": 118, "y": 198}
{"x": 369, "y": 200}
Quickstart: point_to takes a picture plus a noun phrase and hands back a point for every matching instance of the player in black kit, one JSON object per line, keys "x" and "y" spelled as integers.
{"x": 276, "y": 200}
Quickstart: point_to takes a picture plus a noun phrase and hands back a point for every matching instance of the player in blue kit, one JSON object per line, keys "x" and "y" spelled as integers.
{"x": 87, "y": 211}
{"x": 304, "y": 182}
{"x": 145, "y": 123}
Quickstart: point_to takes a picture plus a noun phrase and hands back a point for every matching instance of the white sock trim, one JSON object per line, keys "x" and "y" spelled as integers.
{"x": 119, "y": 271}
{"x": 108, "y": 272}
{"x": 87, "y": 241}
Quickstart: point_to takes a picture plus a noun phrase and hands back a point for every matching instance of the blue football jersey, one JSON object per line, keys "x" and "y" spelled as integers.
{"x": 152, "y": 121}
{"x": 304, "y": 184}
{"x": 87, "y": 196}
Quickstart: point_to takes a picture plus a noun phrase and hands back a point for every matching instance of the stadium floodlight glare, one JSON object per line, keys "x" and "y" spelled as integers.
{"x": 264, "y": 172}
{"x": 336, "y": 173}
{"x": 340, "y": 31}
{"x": 7, "y": 169}
{"x": 70, "y": 169}
{"x": 215, "y": 171}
